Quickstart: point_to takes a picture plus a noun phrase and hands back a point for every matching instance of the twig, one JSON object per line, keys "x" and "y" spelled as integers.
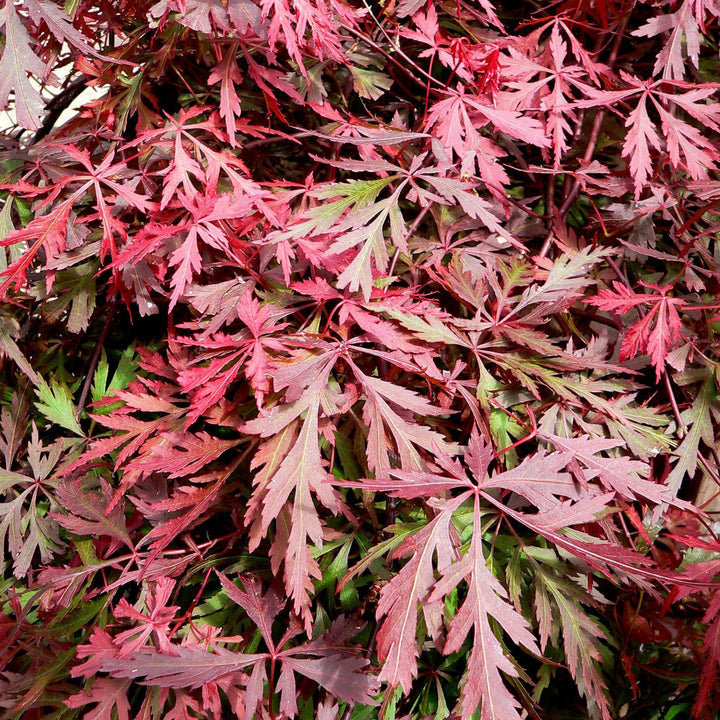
{"x": 95, "y": 358}
{"x": 549, "y": 214}
{"x": 619, "y": 273}
{"x": 594, "y": 317}
{"x": 673, "y": 404}
{"x": 58, "y": 105}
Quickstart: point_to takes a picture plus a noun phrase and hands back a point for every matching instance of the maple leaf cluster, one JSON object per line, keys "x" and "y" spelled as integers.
{"x": 359, "y": 360}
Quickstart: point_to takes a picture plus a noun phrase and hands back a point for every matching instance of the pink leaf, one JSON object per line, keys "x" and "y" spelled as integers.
{"x": 18, "y": 60}
{"x": 227, "y": 73}
{"x": 485, "y": 597}
{"x": 109, "y": 694}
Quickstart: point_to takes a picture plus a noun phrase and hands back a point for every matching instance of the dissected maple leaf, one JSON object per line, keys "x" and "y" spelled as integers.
{"x": 624, "y": 475}
{"x": 657, "y": 332}
{"x": 550, "y": 81}
{"x": 300, "y": 473}
{"x": 566, "y": 280}
{"x": 679, "y": 25}
{"x": 416, "y": 583}
{"x": 698, "y": 419}
{"x": 687, "y": 148}
{"x": 227, "y": 73}
{"x": 186, "y": 667}
{"x": 109, "y": 694}
{"x": 60, "y": 25}
{"x": 99, "y": 647}
{"x": 24, "y": 523}
{"x": 408, "y": 590}
{"x": 18, "y": 60}
{"x": 485, "y": 598}
{"x": 331, "y": 664}
{"x": 458, "y": 119}
{"x": 44, "y": 232}
{"x": 156, "y": 622}
{"x": 407, "y": 434}
{"x": 562, "y": 598}
{"x": 86, "y": 514}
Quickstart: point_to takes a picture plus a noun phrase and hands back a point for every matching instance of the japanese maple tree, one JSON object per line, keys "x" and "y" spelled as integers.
{"x": 359, "y": 359}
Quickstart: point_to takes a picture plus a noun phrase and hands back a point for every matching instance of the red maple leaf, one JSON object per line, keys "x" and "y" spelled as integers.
{"x": 109, "y": 694}
{"x": 156, "y": 622}
{"x": 656, "y": 332}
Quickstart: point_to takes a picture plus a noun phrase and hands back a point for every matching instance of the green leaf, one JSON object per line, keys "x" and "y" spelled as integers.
{"x": 370, "y": 84}
{"x": 9, "y": 330}
{"x": 74, "y": 289}
{"x": 6, "y": 227}
{"x": 505, "y": 432}
{"x": 99, "y": 386}
{"x": 697, "y": 419}
{"x": 56, "y": 404}
{"x": 355, "y": 194}
{"x": 682, "y": 710}
{"x": 24, "y": 210}
{"x": 124, "y": 374}
{"x": 350, "y": 467}
{"x": 77, "y": 617}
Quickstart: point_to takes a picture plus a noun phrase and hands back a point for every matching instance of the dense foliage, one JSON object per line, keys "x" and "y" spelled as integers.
{"x": 359, "y": 359}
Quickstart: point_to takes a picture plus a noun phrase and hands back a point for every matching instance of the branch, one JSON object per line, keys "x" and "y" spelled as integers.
{"x": 94, "y": 361}
{"x": 58, "y": 105}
